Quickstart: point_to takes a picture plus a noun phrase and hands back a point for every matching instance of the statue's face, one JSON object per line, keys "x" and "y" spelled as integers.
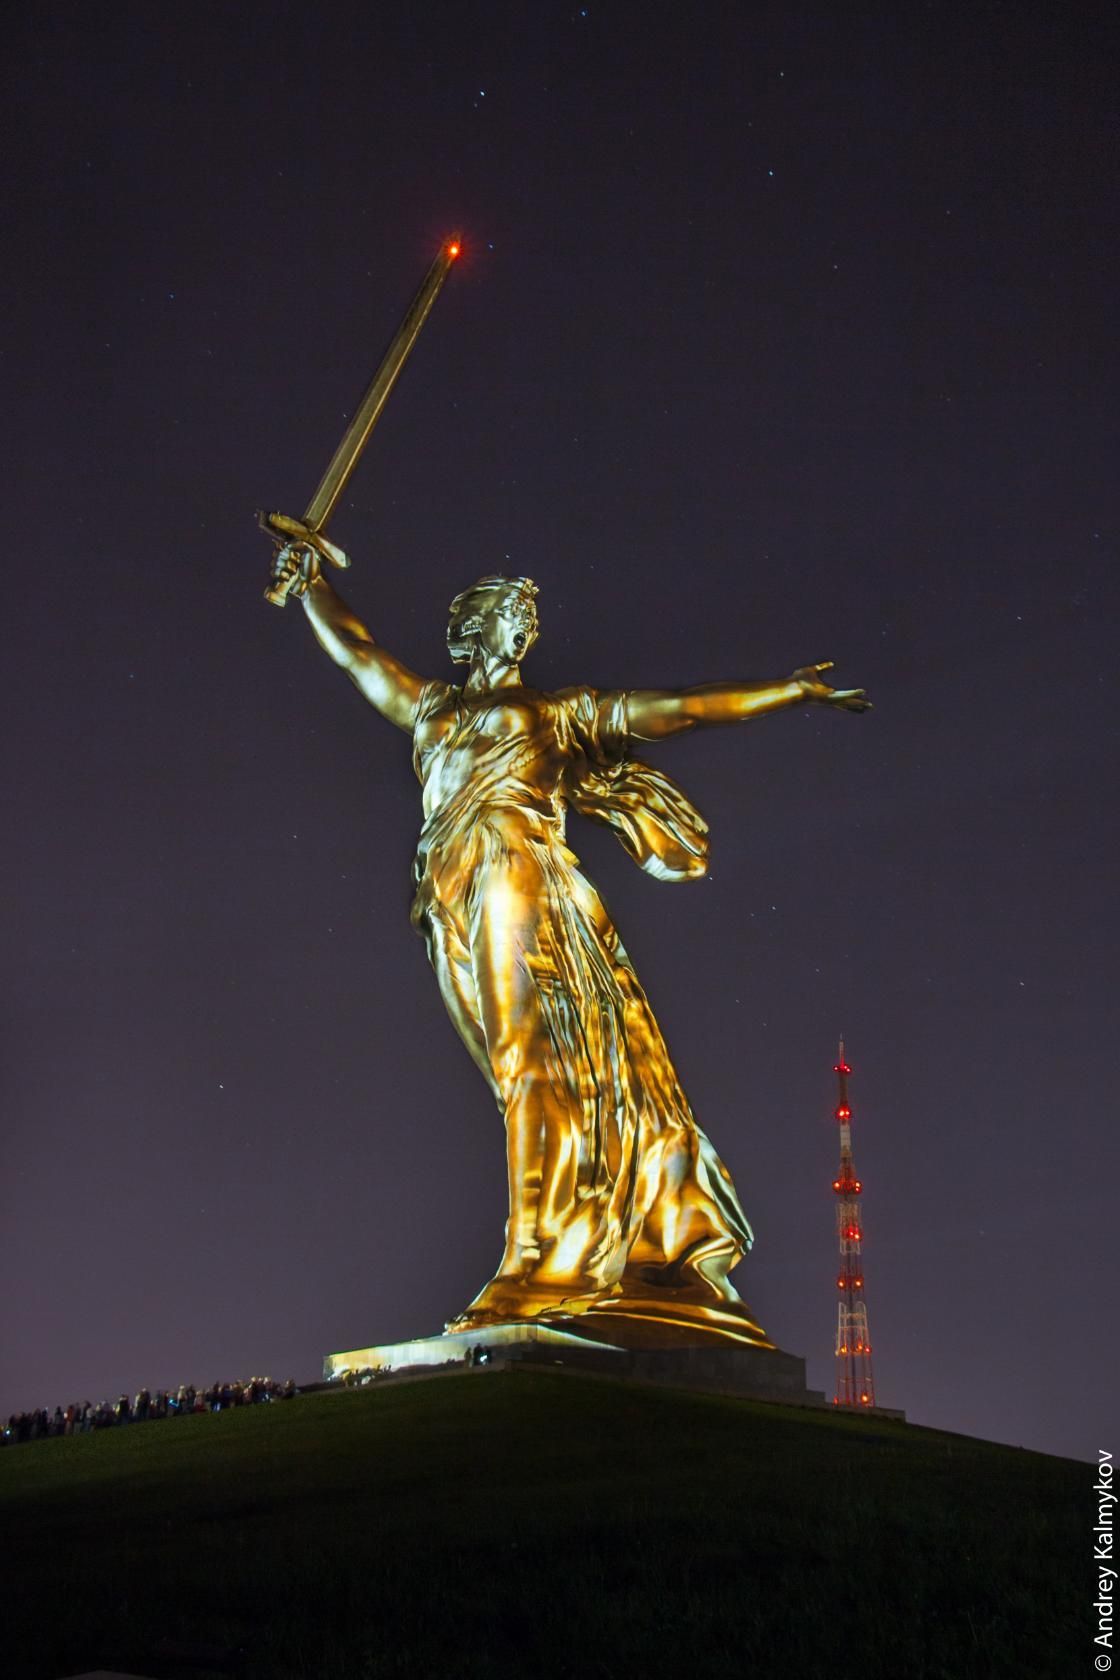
{"x": 497, "y": 618}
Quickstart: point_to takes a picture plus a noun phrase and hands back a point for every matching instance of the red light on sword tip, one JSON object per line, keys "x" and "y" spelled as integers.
{"x": 453, "y": 248}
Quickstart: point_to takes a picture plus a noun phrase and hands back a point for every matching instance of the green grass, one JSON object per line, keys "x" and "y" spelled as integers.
{"x": 542, "y": 1525}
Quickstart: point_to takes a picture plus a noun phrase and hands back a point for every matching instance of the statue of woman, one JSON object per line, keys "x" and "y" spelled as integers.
{"x": 620, "y": 1210}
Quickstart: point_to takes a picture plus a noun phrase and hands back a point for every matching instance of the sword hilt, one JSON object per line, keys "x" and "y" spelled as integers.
{"x": 287, "y": 532}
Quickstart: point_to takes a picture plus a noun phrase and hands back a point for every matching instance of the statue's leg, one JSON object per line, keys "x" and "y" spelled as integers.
{"x": 450, "y": 958}
{"x": 557, "y": 1242}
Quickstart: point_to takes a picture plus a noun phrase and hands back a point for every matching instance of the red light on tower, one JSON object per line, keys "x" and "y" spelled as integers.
{"x": 854, "y": 1382}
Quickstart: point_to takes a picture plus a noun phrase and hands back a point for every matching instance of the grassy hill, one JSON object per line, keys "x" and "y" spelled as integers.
{"x": 540, "y": 1524}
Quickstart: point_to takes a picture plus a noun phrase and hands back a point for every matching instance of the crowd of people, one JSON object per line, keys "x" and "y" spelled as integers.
{"x": 146, "y": 1407}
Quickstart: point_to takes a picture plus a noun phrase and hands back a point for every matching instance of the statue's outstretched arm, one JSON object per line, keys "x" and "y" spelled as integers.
{"x": 383, "y": 680}
{"x": 655, "y": 713}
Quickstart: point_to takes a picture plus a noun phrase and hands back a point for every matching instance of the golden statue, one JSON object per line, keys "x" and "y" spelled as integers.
{"x": 623, "y": 1220}
{"x": 618, "y": 1204}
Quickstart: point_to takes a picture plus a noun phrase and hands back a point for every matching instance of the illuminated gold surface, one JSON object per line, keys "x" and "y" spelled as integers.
{"x": 308, "y": 532}
{"x": 621, "y": 1212}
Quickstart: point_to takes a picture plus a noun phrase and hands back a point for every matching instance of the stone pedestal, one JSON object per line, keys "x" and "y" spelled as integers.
{"x": 677, "y": 1359}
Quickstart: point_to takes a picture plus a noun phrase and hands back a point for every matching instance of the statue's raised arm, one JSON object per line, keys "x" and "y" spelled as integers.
{"x": 375, "y": 673}
{"x": 303, "y": 544}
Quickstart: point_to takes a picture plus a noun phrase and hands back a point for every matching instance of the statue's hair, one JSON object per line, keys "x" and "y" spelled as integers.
{"x": 522, "y": 591}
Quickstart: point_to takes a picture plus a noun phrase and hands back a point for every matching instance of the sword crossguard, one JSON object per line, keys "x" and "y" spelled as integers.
{"x": 287, "y": 532}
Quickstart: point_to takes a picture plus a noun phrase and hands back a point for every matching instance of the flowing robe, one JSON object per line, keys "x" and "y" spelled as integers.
{"x": 616, "y": 1196}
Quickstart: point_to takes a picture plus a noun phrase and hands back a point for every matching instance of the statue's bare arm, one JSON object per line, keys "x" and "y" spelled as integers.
{"x": 655, "y": 713}
{"x": 381, "y": 679}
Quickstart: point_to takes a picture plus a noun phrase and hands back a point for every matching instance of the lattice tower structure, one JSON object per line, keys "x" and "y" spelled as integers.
{"x": 855, "y": 1384}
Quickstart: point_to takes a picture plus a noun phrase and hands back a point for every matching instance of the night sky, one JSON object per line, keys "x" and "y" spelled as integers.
{"x": 781, "y": 333}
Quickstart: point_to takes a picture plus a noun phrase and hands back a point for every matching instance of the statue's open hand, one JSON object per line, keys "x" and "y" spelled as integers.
{"x": 814, "y": 688}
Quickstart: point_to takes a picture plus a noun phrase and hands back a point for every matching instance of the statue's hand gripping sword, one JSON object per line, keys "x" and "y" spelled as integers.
{"x": 309, "y": 531}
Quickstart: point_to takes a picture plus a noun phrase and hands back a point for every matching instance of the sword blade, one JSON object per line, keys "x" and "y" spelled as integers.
{"x": 368, "y": 412}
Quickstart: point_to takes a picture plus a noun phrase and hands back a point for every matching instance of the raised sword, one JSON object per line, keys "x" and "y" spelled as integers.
{"x": 309, "y": 531}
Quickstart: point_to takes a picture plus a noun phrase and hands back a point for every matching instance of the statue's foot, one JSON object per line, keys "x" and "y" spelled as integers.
{"x": 471, "y": 1320}
{"x": 571, "y": 1306}
{"x": 508, "y": 1300}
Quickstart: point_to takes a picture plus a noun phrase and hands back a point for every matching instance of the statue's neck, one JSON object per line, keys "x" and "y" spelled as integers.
{"x": 489, "y": 671}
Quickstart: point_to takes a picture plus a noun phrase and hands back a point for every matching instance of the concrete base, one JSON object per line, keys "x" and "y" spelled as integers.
{"x": 760, "y": 1373}
{"x": 429, "y": 1353}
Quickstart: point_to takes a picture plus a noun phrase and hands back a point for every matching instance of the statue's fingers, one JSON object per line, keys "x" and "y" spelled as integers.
{"x": 826, "y": 666}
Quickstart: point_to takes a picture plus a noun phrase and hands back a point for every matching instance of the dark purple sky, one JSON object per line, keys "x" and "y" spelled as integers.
{"x": 783, "y": 333}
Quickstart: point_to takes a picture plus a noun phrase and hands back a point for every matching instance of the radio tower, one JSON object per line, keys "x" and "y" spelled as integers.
{"x": 855, "y": 1385}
